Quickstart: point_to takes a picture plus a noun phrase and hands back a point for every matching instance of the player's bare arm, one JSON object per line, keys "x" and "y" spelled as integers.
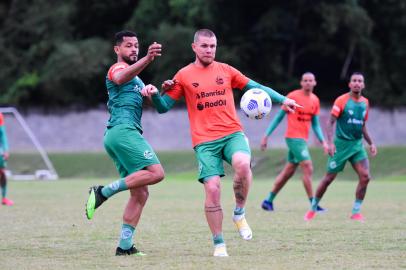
{"x": 372, "y": 148}
{"x": 330, "y": 133}
{"x": 128, "y": 73}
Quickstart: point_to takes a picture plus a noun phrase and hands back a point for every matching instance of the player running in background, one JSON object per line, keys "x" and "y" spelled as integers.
{"x": 296, "y": 136}
{"x": 215, "y": 128}
{"x": 3, "y": 162}
{"x": 350, "y": 112}
{"x": 134, "y": 158}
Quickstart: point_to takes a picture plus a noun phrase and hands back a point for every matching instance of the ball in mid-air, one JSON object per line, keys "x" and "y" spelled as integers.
{"x": 256, "y": 103}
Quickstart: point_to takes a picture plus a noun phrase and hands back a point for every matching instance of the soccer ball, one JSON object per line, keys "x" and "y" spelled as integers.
{"x": 256, "y": 103}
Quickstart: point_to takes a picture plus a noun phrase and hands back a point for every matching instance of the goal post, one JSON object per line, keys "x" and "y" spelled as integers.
{"x": 28, "y": 159}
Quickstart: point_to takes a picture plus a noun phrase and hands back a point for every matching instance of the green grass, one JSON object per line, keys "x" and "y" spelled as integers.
{"x": 388, "y": 163}
{"x": 47, "y": 229}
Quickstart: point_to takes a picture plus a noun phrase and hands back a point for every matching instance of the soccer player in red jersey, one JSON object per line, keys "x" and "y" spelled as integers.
{"x": 296, "y": 136}
{"x": 216, "y": 130}
{"x": 349, "y": 113}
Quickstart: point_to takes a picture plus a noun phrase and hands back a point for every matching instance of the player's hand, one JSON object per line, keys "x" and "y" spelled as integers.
{"x": 331, "y": 149}
{"x": 264, "y": 143}
{"x": 373, "y": 150}
{"x": 149, "y": 90}
{"x": 154, "y": 50}
{"x": 291, "y": 105}
{"x": 6, "y": 155}
{"x": 168, "y": 84}
{"x": 325, "y": 148}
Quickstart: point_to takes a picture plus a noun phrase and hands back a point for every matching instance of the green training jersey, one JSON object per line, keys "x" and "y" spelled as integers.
{"x": 125, "y": 100}
{"x": 351, "y": 116}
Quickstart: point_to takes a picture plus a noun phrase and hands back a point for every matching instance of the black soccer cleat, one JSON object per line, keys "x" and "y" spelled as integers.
{"x": 95, "y": 199}
{"x": 132, "y": 251}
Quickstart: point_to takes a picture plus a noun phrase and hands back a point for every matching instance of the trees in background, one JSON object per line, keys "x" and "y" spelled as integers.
{"x": 57, "y": 53}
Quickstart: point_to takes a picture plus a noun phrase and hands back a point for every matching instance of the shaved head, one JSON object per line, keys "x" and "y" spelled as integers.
{"x": 203, "y": 33}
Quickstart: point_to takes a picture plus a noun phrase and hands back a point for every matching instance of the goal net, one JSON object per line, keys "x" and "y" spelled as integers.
{"x": 28, "y": 160}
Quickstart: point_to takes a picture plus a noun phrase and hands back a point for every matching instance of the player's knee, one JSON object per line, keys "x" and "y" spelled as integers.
{"x": 242, "y": 168}
{"x": 158, "y": 175}
{"x": 364, "y": 178}
{"x": 213, "y": 192}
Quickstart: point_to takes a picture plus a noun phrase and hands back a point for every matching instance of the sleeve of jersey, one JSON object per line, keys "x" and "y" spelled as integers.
{"x": 275, "y": 122}
{"x": 316, "y": 128}
{"x": 337, "y": 107}
{"x": 3, "y": 136}
{"x": 238, "y": 80}
{"x": 177, "y": 91}
{"x": 116, "y": 68}
{"x": 367, "y": 112}
{"x": 317, "y": 106}
{"x": 275, "y": 96}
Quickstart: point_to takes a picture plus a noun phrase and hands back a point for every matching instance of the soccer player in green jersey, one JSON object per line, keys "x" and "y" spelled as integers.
{"x": 350, "y": 113}
{"x": 3, "y": 162}
{"x": 134, "y": 158}
{"x": 296, "y": 136}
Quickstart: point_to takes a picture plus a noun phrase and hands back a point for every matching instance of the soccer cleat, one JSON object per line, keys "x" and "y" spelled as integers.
{"x": 132, "y": 251}
{"x": 7, "y": 202}
{"x": 243, "y": 228}
{"x": 220, "y": 250}
{"x": 309, "y": 215}
{"x": 267, "y": 205}
{"x": 95, "y": 199}
{"x": 321, "y": 209}
{"x": 358, "y": 217}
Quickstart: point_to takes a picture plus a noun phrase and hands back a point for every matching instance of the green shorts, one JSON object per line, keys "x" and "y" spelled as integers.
{"x": 352, "y": 151}
{"x": 128, "y": 149}
{"x": 3, "y": 162}
{"x": 298, "y": 150}
{"x": 210, "y": 155}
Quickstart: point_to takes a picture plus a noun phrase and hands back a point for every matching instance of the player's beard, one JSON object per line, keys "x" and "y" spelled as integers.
{"x": 205, "y": 61}
{"x": 130, "y": 61}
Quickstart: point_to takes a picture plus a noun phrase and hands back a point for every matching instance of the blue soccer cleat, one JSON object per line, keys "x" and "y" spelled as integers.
{"x": 267, "y": 205}
{"x": 321, "y": 209}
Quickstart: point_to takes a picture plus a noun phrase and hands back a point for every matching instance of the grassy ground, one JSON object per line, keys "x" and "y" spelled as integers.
{"x": 46, "y": 229}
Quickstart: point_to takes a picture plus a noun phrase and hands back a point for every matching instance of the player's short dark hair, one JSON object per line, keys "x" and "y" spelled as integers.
{"x": 356, "y": 73}
{"x": 204, "y": 33}
{"x": 118, "y": 37}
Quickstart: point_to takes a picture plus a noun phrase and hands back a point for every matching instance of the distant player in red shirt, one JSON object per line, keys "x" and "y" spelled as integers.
{"x": 296, "y": 136}
{"x": 216, "y": 130}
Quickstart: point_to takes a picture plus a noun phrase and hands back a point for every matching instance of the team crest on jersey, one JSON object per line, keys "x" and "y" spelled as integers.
{"x": 219, "y": 80}
{"x": 351, "y": 112}
{"x": 305, "y": 153}
{"x": 148, "y": 154}
{"x": 333, "y": 164}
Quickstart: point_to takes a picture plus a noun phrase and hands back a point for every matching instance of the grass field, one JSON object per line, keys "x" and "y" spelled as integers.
{"x": 47, "y": 229}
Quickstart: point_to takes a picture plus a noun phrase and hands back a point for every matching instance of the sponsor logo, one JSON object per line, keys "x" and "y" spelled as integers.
{"x": 114, "y": 186}
{"x": 355, "y": 121}
{"x": 148, "y": 154}
{"x": 219, "y": 80}
{"x": 197, "y": 96}
{"x": 220, "y": 102}
{"x": 213, "y": 93}
{"x": 351, "y": 112}
{"x": 126, "y": 233}
{"x": 252, "y": 105}
{"x": 195, "y": 84}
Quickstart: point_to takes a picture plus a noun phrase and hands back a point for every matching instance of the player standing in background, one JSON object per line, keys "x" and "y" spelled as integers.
{"x": 134, "y": 158}
{"x": 3, "y": 162}
{"x": 215, "y": 128}
{"x": 296, "y": 136}
{"x": 350, "y": 111}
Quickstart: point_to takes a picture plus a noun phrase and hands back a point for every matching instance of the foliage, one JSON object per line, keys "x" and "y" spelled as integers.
{"x": 66, "y": 47}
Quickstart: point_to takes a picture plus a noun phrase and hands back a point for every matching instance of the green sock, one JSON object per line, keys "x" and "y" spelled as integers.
{"x": 271, "y": 196}
{"x": 126, "y": 237}
{"x": 238, "y": 211}
{"x": 4, "y": 191}
{"x": 114, "y": 188}
{"x": 357, "y": 206}
{"x": 218, "y": 239}
{"x": 315, "y": 203}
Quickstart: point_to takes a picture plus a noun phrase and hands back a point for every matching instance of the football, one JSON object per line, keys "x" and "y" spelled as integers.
{"x": 256, "y": 103}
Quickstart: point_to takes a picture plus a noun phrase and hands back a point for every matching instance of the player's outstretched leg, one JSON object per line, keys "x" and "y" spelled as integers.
{"x": 95, "y": 199}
